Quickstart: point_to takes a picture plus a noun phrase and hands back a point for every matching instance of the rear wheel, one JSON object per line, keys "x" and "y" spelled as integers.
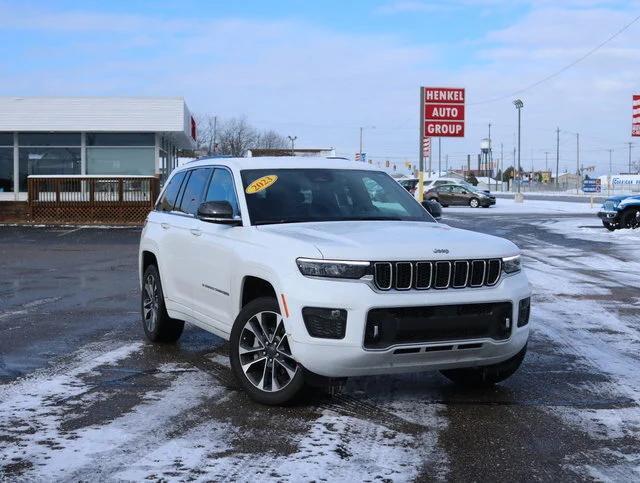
{"x": 631, "y": 218}
{"x": 260, "y": 354}
{"x": 486, "y": 375}
{"x": 158, "y": 326}
{"x": 474, "y": 202}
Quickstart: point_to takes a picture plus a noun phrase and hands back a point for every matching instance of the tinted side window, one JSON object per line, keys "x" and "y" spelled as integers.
{"x": 221, "y": 189}
{"x": 170, "y": 194}
{"x": 192, "y": 196}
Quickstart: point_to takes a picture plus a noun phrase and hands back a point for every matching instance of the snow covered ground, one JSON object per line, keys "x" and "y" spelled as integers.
{"x": 509, "y": 206}
{"x": 122, "y": 409}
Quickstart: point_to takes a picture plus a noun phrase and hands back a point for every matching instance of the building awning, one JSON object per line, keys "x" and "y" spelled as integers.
{"x": 167, "y": 115}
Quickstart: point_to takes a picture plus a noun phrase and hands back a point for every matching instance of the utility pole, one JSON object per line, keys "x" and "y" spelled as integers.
{"x": 519, "y": 105}
{"x": 501, "y": 170}
{"x": 546, "y": 161}
{"x": 578, "y": 163}
{"x": 421, "y": 148}
{"x": 215, "y": 134}
{"x": 439, "y": 157}
{"x": 293, "y": 141}
{"x": 468, "y": 165}
{"x": 490, "y": 157}
{"x": 609, "y": 177}
{"x": 629, "y": 157}
{"x": 446, "y": 163}
{"x": 360, "y": 151}
{"x": 557, "y": 156}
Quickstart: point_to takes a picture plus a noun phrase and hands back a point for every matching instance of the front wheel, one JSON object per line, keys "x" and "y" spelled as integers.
{"x": 260, "y": 354}
{"x": 631, "y": 218}
{"x": 158, "y": 326}
{"x": 474, "y": 202}
{"x": 485, "y": 376}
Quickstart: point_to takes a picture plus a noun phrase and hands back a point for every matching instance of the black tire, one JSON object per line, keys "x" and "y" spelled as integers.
{"x": 474, "y": 203}
{"x": 275, "y": 362}
{"x": 631, "y": 218}
{"x": 157, "y": 325}
{"x": 609, "y": 226}
{"x": 486, "y": 376}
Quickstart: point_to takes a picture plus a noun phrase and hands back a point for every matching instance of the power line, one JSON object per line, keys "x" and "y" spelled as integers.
{"x": 563, "y": 69}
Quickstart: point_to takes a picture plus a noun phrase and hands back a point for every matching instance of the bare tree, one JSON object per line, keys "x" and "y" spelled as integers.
{"x": 206, "y": 125}
{"x": 236, "y": 136}
{"x": 271, "y": 139}
{"x": 233, "y": 137}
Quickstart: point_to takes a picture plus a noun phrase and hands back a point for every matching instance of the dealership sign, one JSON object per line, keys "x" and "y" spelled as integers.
{"x": 443, "y": 111}
{"x": 592, "y": 186}
{"x": 635, "y": 122}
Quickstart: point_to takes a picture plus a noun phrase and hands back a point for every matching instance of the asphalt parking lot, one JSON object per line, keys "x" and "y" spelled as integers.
{"x": 84, "y": 397}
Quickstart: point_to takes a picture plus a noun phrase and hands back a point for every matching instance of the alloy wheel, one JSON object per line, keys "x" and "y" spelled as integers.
{"x": 151, "y": 303}
{"x": 265, "y": 355}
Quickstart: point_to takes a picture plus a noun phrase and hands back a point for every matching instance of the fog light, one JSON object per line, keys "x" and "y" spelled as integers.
{"x": 524, "y": 309}
{"x": 325, "y": 323}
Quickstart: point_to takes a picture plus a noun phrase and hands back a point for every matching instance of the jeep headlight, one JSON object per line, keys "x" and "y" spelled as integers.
{"x": 511, "y": 264}
{"x": 311, "y": 267}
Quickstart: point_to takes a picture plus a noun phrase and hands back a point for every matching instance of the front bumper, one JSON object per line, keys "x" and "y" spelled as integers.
{"x": 609, "y": 216}
{"x": 348, "y": 357}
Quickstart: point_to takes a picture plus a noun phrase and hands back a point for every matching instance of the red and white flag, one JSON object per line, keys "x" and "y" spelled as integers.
{"x": 426, "y": 147}
{"x": 635, "y": 120}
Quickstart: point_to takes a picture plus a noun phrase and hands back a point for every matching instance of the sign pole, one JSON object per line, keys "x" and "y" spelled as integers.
{"x": 421, "y": 148}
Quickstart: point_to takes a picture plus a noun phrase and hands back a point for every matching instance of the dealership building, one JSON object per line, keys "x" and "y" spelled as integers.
{"x": 90, "y": 136}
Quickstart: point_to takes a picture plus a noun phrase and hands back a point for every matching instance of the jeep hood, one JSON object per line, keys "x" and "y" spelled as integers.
{"x": 393, "y": 240}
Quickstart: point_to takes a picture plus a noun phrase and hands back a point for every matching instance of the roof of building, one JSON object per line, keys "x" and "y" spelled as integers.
{"x": 282, "y": 162}
{"x": 99, "y": 114}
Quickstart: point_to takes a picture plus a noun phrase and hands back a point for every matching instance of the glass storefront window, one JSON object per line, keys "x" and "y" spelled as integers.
{"x": 6, "y": 170}
{"x": 49, "y": 139}
{"x": 126, "y": 161}
{"x": 121, "y": 139}
{"x": 6, "y": 139}
{"x": 51, "y": 161}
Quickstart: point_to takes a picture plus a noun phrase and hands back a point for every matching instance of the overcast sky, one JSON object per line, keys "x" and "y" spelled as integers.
{"x": 319, "y": 70}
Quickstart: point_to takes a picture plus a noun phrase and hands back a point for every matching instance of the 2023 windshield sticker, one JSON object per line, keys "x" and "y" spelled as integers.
{"x": 261, "y": 184}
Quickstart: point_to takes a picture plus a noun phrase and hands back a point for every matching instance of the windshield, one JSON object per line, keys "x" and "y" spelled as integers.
{"x": 301, "y": 195}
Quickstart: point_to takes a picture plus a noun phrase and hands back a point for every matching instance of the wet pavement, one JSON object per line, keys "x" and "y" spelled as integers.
{"x": 84, "y": 397}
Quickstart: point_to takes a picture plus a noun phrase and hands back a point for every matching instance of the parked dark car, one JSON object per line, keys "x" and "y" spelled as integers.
{"x": 620, "y": 212}
{"x": 453, "y": 194}
{"x": 434, "y": 208}
{"x": 409, "y": 184}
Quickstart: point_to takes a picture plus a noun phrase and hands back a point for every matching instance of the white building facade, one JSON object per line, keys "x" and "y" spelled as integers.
{"x": 90, "y": 135}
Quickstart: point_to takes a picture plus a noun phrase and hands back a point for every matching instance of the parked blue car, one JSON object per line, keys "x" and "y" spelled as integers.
{"x": 620, "y": 212}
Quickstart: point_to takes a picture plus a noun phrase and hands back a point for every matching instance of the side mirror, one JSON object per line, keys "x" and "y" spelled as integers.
{"x": 217, "y": 212}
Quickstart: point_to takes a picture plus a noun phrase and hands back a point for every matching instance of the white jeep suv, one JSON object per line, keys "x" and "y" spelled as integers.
{"x": 314, "y": 267}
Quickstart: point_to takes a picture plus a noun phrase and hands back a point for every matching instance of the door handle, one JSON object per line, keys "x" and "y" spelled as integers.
{"x": 195, "y": 232}
{"x": 165, "y": 226}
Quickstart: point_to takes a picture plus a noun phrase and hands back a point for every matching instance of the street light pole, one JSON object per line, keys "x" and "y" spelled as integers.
{"x": 293, "y": 140}
{"x": 519, "y": 105}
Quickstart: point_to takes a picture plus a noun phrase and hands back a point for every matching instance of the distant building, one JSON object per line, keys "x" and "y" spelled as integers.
{"x": 311, "y": 152}
{"x": 90, "y": 135}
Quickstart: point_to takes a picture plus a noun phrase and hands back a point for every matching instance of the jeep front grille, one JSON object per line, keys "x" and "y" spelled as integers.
{"x": 439, "y": 274}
